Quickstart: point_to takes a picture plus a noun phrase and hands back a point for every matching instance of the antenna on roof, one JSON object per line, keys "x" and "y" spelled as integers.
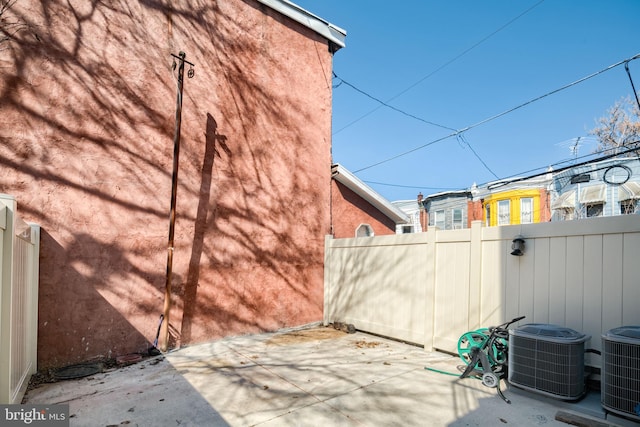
{"x": 575, "y": 148}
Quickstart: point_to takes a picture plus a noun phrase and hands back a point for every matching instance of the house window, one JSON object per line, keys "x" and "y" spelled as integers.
{"x": 565, "y": 205}
{"x": 628, "y": 195}
{"x": 364, "y": 230}
{"x": 488, "y": 215}
{"x": 457, "y": 219}
{"x": 526, "y": 210}
{"x": 628, "y": 207}
{"x": 439, "y": 219}
{"x": 595, "y": 209}
{"x": 407, "y": 229}
{"x": 592, "y": 199}
{"x": 566, "y": 214}
{"x": 504, "y": 214}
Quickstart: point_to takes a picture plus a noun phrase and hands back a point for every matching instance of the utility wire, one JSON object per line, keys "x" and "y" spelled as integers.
{"x": 626, "y": 67}
{"x": 382, "y": 103}
{"x": 551, "y": 93}
{"x": 422, "y": 187}
{"x": 462, "y": 139}
{"x": 556, "y": 171}
{"x": 449, "y": 62}
{"x": 435, "y": 141}
{"x": 571, "y": 160}
{"x": 525, "y": 175}
{"x": 458, "y": 132}
{"x": 460, "y": 136}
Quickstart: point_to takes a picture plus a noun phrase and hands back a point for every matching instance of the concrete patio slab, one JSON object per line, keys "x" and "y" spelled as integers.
{"x": 314, "y": 376}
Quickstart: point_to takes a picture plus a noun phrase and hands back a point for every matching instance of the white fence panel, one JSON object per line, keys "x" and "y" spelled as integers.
{"x": 19, "y": 258}
{"x": 453, "y": 261}
{"x": 582, "y": 274}
{"x": 376, "y": 284}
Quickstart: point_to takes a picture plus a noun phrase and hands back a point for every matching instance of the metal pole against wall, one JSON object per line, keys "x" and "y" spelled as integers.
{"x": 164, "y": 333}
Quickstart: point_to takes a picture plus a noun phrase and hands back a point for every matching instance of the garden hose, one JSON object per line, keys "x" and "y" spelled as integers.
{"x": 440, "y": 371}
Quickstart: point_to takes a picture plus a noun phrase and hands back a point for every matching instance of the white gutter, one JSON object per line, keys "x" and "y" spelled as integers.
{"x": 349, "y": 180}
{"x": 329, "y": 31}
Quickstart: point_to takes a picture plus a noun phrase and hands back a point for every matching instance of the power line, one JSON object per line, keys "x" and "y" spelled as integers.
{"x": 387, "y": 105}
{"x": 421, "y": 187}
{"x": 449, "y": 62}
{"x": 464, "y": 141}
{"x": 551, "y": 93}
{"x": 588, "y": 162}
{"x": 626, "y": 67}
{"x": 461, "y": 131}
{"x": 522, "y": 176}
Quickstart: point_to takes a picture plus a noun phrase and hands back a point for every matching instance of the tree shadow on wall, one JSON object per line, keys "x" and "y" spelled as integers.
{"x": 261, "y": 227}
{"x": 85, "y": 145}
{"x": 80, "y": 316}
{"x": 212, "y": 138}
{"x": 85, "y": 148}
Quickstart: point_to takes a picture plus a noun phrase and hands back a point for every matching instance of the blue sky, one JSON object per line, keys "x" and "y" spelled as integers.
{"x": 458, "y": 63}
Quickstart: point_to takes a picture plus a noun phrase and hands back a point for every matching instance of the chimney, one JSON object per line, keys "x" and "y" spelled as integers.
{"x": 423, "y": 214}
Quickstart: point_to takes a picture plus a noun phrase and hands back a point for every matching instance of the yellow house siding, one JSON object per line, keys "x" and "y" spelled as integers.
{"x": 514, "y": 197}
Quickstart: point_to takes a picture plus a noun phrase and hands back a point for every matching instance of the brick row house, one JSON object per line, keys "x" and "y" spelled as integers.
{"x": 87, "y": 129}
{"x": 358, "y": 210}
{"x": 602, "y": 188}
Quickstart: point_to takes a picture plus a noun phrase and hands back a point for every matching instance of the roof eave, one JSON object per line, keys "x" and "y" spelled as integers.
{"x": 349, "y": 180}
{"x": 331, "y": 32}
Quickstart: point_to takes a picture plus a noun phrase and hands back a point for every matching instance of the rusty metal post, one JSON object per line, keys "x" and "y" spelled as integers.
{"x": 164, "y": 343}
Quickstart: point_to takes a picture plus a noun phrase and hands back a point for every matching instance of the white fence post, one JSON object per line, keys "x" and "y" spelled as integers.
{"x": 19, "y": 270}
{"x": 6, "y": 261}
{"x": 429, "y": 261}
{"x": 475, "y": 275}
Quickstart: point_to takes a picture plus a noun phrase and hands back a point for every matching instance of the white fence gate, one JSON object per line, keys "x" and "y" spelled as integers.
{"x": 429, "y": 288}
{"x": 19, "y": 258}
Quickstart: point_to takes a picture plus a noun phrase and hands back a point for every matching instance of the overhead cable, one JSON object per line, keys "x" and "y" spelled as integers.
{"x": 555, "y": 171}
{"x": 550, "y": 93}
{"x": 422, "y": 187}
{"x": 626, "y": 67}
{"x": 387, "y": 105}
{"x": 458, "y": 132}
{"x": 522, "y": 176}
{"x": 462, "y": 139}
{"x": 449, "y": 62}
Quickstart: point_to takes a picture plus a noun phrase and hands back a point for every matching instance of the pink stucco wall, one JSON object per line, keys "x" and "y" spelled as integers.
{"x": 87, "y": 108}
{"x": 350, "y": 210}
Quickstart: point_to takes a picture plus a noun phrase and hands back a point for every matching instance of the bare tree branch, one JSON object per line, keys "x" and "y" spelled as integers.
{"x": 9, "y": 25}
{"x": 620, "y": 128}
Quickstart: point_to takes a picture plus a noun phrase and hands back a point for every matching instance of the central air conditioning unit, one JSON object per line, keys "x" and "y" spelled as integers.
{"x": 548, "y": 359}
{"x": 620, "y": 382}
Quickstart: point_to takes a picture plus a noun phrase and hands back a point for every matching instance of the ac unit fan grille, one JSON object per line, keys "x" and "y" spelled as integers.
{"x": 555, "y": 369}
{"x": 621, "y": 378}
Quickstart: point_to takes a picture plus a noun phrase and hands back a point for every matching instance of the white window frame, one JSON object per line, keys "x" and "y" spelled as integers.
{"x": 407, "y": 229}
{"x": 628, "y": 207}
{"x": 456, "y": 224}
{"x": 504, "y": 218}
{"x": 439, "y": 219}
{"x": 364, "y": 230}
{"x": 529, "y": 212}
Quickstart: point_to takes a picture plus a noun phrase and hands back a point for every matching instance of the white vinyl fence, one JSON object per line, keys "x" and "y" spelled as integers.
{"x": 430, "y": 288}
{"x": 19, "y": 257}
